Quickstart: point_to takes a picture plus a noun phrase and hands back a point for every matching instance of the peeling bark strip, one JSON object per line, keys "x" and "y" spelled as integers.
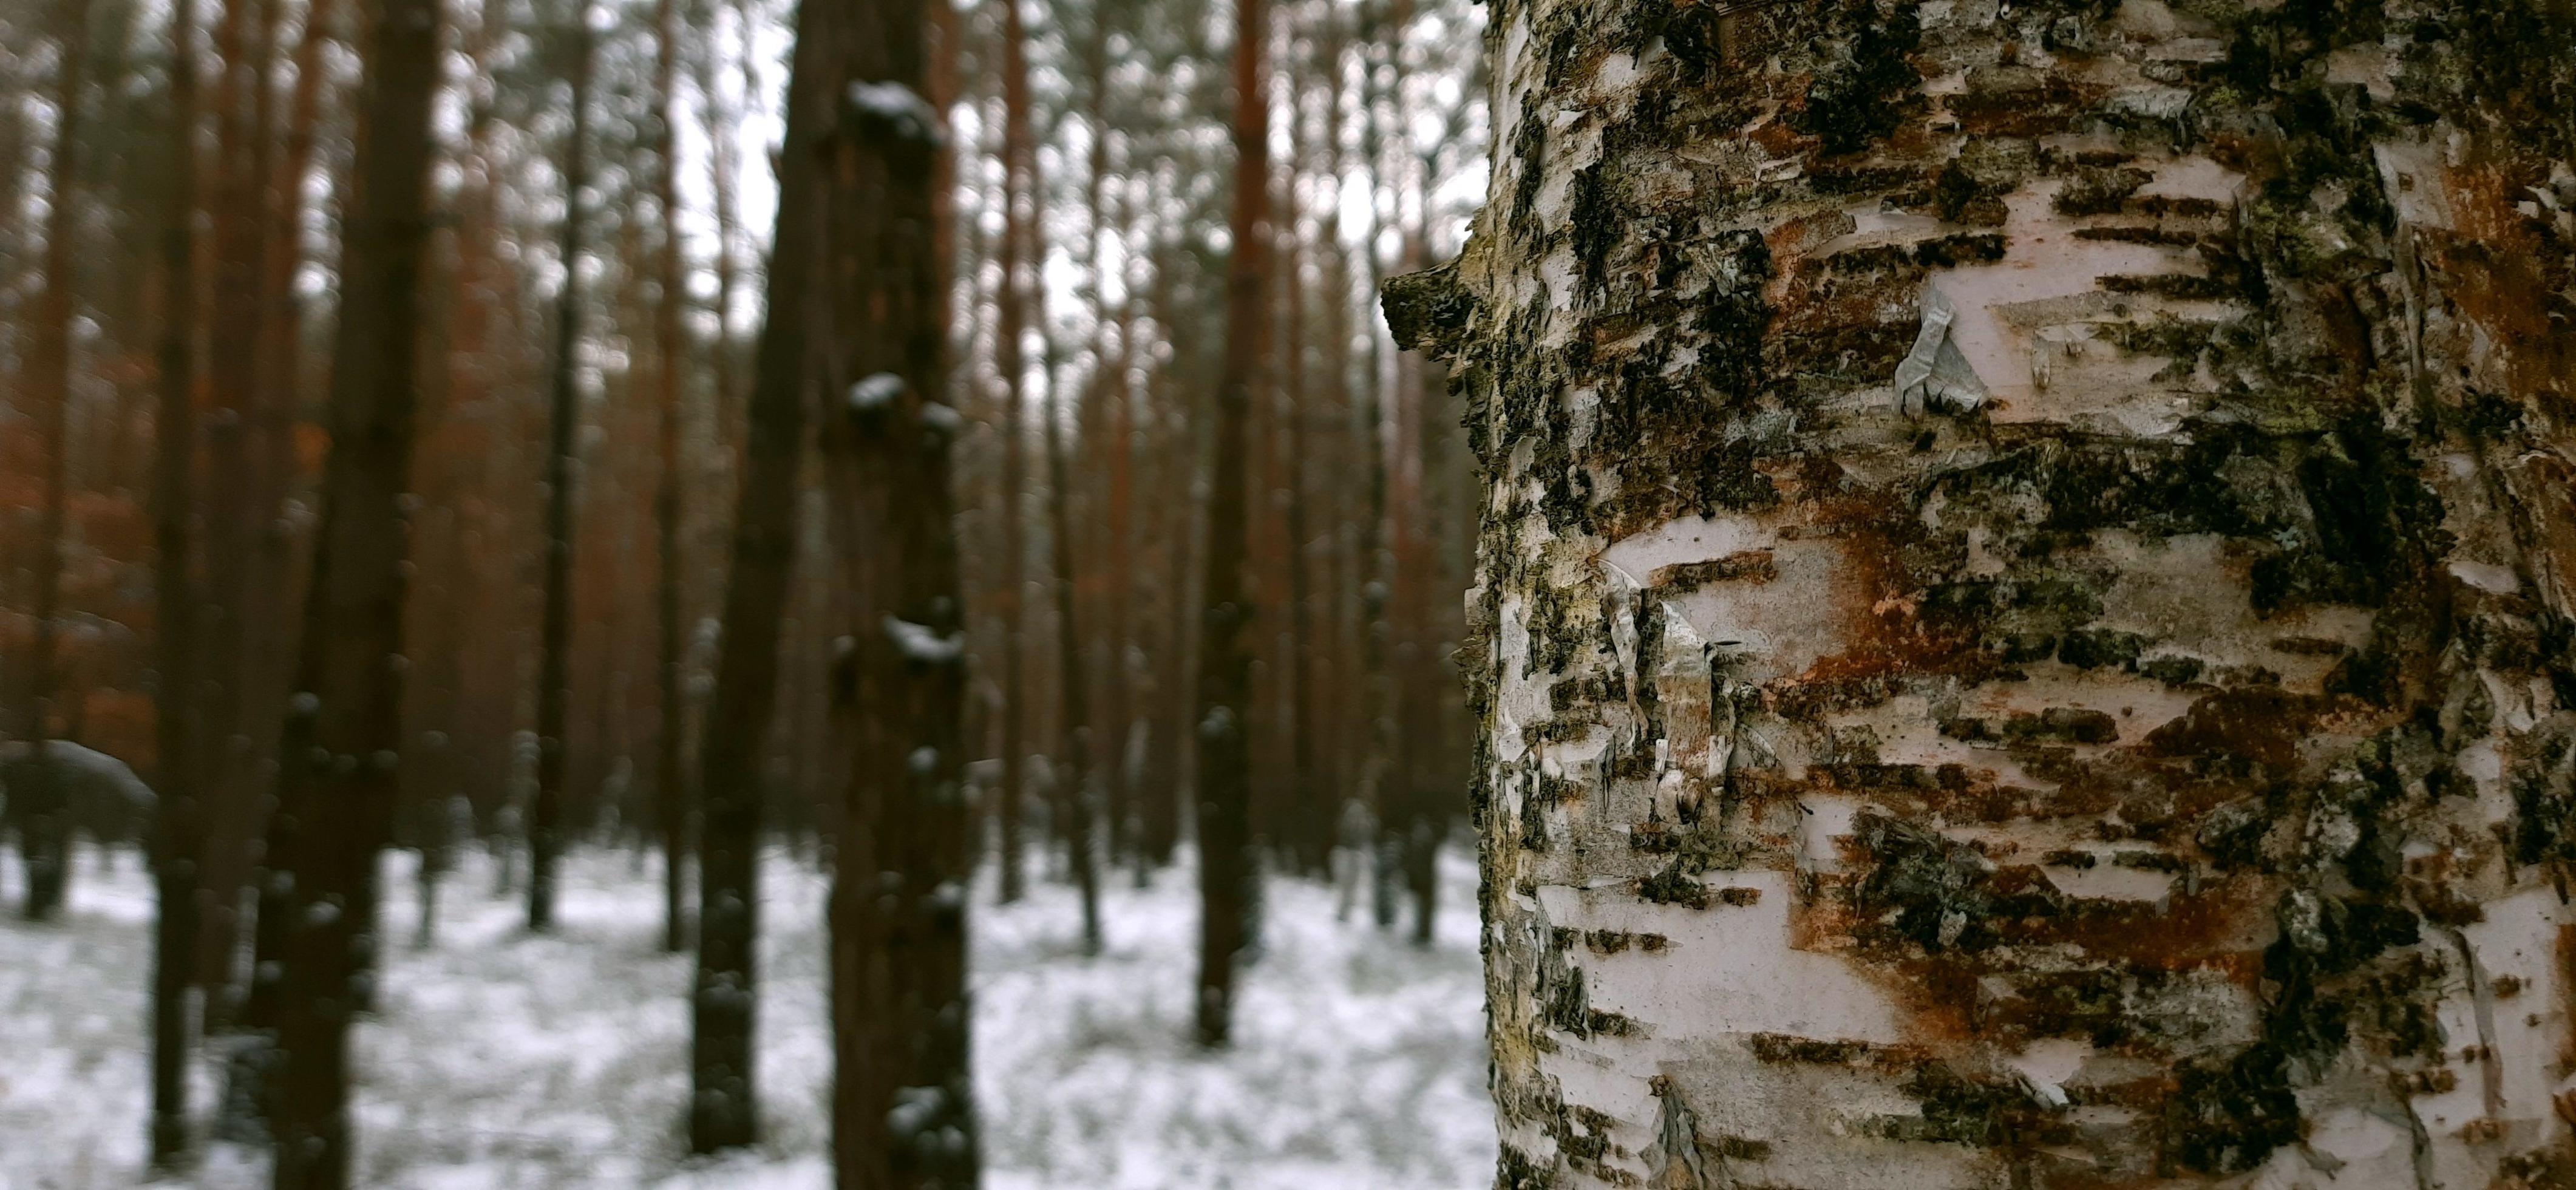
{"x": 2029, "y": 548}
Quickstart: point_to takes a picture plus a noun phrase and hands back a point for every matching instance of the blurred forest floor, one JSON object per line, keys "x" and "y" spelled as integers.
{"x": 502, "y": 1060}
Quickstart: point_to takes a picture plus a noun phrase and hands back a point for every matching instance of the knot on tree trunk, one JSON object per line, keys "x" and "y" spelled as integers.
{"x": 1427, "y": 311}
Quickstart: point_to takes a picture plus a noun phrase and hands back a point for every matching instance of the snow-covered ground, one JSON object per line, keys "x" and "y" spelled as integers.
{"x": 501, "y": 1060}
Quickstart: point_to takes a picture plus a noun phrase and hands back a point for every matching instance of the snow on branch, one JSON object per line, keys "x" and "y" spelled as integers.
{"x": 896, "y": 109}
{"x": 875, "y": 393}
{"x": 922, "y": 644}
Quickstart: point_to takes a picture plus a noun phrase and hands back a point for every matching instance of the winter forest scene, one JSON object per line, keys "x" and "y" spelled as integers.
{"x": 1264, "y": 594}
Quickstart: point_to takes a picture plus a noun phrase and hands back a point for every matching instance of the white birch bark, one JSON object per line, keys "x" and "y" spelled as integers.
{"x": 2024, "y": 604}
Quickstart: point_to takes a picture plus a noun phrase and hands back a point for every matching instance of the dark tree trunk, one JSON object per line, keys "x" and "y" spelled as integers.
{"x": 1229, "y": 876}
{"x": 554, "y": 647}
{"x": 177, "y": 837}
{"x": 671, "y": 794}
{"x": 351, "y": 653}
{"x": 902, "y": 1110}
{"x": 1382, "y": 36}
{"x": 723, "y": 1109}
{"x": 1122, "y": 718}
{"x": 243, "y": 38}
{"x": 1078, "y": 794}
{"x": 1019, "y": 199}
{"x": 1170, "y": 756}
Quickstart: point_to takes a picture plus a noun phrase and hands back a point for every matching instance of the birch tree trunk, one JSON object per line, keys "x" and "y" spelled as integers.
{"x": 2022, "y": 609}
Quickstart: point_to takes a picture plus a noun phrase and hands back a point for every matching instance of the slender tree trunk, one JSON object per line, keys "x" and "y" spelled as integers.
{"x": 554, "y": 648}
{"x": 468, "y": 382}
{"x": 1229, "y": 868}
{"x": 1344, "y": 456}
{"x": 1415, "y": 822}
{"x": 902, "y": 1109}
{"x": 1019, "y": 205}
{"x": 178, "y": 835}
{"x": 1382, "y": 98}
{"x": 243, "y": 40}
{"x": 351, "y": 652}
{"x": 724, "y": 440}
{"x": 724, "y": 166}
{"x": 14, "y": 143}
{"x": 1079, "y": 794}
{"x": 250, "y": 715}
{"x": 44, "y": 825}
{"x": 1105, "y": 405}
{"x": 1310, "y": 817}
{"x": 2008, "y": 610}
{"x": 671, "y": 800}
{"x": 1264, "y": 576}
{"x": 723, "y": 1108}
{"x": 1129, "y": 676}
{"x": 435, "y": 776}
{"x": 1165, "y": 777}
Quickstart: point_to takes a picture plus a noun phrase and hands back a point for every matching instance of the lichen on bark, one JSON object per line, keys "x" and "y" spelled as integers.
{"x": 2030, "y": 548}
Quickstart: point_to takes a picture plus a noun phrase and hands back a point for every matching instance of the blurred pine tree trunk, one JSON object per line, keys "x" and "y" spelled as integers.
{"x": 244, "y": 675}
{"x": 902, "y": 1108}
{"x": 723, "y": 1107}
{"x": 178, "y": 833}
{"x": 554, "y": 656}
{"x": 671, "y": 797}
{"x": 351, "y": 667}
{"x": 1229, "y": 866}
{"x": 40, "y": 806}
{"x": 1020, "y": 202}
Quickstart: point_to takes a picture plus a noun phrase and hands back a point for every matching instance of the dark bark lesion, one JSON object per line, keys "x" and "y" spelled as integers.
{"x": 1428, "y": 311}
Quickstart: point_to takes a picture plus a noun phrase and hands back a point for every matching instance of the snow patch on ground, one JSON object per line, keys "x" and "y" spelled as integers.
{"x": 501, "y": 1060}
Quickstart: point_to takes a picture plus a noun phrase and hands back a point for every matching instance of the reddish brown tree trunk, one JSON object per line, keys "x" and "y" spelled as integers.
{"x": 902, "y": 1103}
{"x": 902, "y": 1111}
{"x": 239, "y": 708}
